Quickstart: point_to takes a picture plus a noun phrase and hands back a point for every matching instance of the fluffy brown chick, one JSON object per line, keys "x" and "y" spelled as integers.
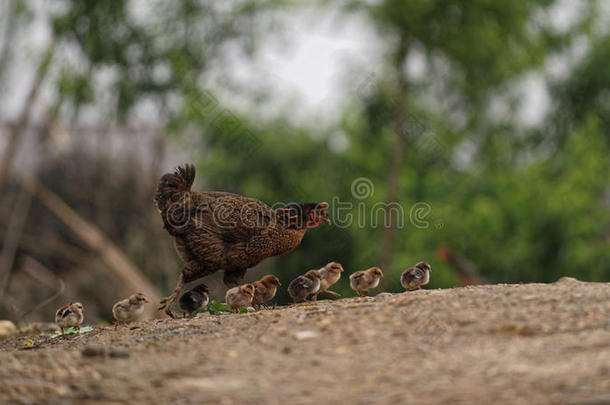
{"x": 70, "y": 315}
{"x": 240, "y": 296}
{"x": 413, "y": 278}
{"x": 129, "y": 309}
{"x": 303, "y": 286}
{"x": 265, "y": 290}
{"x": 361, "y": 281}
{"x": 329, "y": 275}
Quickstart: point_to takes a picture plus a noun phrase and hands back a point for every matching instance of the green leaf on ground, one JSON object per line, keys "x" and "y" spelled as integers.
{"x": 221, "y": 308}
{"x": 71, "y": 331}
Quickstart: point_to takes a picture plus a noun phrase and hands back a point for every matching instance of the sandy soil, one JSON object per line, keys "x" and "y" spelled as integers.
{"x": 513, "y": 344}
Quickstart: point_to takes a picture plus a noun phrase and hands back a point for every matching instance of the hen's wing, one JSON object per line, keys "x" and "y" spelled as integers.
{"x": 219, "y": 228}
{"x": 228, "y": 217}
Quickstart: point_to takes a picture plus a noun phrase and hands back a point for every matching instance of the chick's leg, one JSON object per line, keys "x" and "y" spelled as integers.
{"x": 334, "y": 294}
{"x": 167, "y": 302}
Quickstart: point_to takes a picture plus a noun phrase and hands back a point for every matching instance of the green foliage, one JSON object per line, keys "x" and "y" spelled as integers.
{"x": 71, "y": 331}
{"x": 485, "y": 43}
{"x": 584, "y": 93}
{"x": 221, "y": 308}
{"x": 157, "y": 55}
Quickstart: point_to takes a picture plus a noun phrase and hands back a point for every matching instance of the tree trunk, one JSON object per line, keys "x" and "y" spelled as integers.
{"x": 18, "y": 128}
{"x": 12, "y": 237}
{"x": 388, "y": 235}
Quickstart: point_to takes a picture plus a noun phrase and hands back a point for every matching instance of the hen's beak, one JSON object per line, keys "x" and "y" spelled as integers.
{"x": 322, "y": 213}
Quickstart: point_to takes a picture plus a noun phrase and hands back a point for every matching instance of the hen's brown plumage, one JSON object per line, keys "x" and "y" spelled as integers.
{"x": 223, "y": 231}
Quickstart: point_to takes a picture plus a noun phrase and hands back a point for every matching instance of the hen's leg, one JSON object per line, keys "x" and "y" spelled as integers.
{"x": 334, "y": 294}
{"x": 234, "y": 278}
{"x": 167, "y": 302}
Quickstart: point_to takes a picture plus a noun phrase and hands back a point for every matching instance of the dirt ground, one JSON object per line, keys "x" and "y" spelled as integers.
{"x": 513, "y": 344}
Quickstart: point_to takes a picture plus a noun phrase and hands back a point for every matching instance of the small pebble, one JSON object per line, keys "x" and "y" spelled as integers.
{"x": 306, "y": 334}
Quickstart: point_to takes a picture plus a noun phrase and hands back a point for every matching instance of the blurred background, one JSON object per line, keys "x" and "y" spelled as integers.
{"x": 486, "y": 123}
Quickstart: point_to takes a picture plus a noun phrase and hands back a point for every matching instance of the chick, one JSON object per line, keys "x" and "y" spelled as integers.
{"x": 329, "y": 275}
{"x": 413, "y": 278}
{"x": 129, "y": 309}
{"x": 301, "y": 287}
{"x": 70, "y": 315}
{"x": 362, "y": 280}
{"x": 194, "y": 300}
{"x": 265, "y": 290}
{"x": 240, "y": 296}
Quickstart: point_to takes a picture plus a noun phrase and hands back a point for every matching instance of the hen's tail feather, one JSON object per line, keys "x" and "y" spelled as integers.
{"x": 174, "y": 184}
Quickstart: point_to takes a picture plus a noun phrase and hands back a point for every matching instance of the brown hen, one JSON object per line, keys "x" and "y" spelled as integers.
{"x": 219, "y": 231}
